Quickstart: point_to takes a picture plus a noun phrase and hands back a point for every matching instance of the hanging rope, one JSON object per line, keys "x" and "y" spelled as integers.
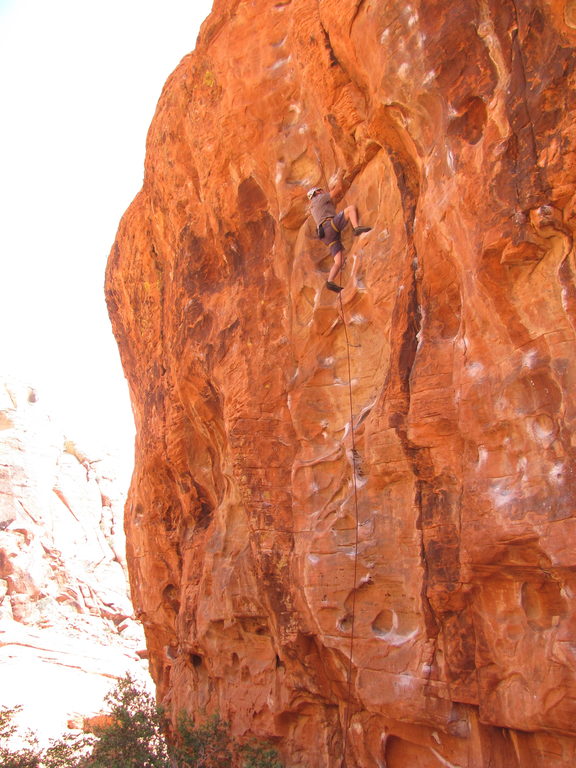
{"x": 356, "y": 520}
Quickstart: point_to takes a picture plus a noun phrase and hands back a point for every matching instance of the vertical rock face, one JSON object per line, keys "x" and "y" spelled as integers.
{"x": 455, "y": 122}
{"x": 66, "y": 625}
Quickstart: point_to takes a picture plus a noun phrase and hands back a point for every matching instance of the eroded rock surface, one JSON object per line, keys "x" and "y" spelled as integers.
{"x": 66, "y": 620}
{"x": 455, "y": 122}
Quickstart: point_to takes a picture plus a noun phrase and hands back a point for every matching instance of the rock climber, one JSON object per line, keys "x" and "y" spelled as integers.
{"x": 330, "y": 224}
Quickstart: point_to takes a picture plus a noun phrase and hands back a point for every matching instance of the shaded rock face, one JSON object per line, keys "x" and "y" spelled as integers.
{"x": 455, "y": 123}
{"x": 66, "y": 620}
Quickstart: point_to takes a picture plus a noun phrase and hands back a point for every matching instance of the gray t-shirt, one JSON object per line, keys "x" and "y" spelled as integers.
{"x": 322, "y": 207}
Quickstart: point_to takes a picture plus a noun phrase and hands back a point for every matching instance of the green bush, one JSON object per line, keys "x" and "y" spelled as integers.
{"x": 69, "y": 751}
{"x": 202, "y": 746}
{"x": 27, "y": 755}
{"x": 209, "y": 745}
{"x": 255, "y": 755}
{"x": 135, "y": 738}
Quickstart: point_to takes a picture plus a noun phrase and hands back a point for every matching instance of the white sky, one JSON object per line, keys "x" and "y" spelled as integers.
{"x": 79, "y": 82}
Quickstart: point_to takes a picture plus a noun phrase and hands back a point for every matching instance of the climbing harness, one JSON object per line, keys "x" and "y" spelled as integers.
{"x": 347, "y": 714}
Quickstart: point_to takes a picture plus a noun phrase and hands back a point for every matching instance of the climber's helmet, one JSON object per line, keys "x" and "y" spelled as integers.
{"x": 313, "y": 191}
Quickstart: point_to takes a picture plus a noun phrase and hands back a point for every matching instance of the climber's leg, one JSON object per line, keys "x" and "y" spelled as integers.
{"x": 351, "y": 215}
{"x": 339, "y": 263}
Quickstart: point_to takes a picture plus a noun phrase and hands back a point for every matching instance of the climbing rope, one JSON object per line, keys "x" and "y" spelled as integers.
{"x": 347, "y": 714}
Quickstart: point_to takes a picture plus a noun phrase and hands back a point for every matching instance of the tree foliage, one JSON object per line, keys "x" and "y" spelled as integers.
{"x": 256, "y": 755}
{"x": 26, "y": 754}
{"x": 69, "y": 751}
{"x": 202, "y": 746}
{"x": 135, "y": 738}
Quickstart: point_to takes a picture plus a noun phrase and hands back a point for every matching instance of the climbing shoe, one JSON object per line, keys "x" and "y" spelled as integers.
{"x": 333, "y": 287}
{"x": 360, "y": 230}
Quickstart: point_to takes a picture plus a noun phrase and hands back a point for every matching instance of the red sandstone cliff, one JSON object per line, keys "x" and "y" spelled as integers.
{"x": 455, "y": 122}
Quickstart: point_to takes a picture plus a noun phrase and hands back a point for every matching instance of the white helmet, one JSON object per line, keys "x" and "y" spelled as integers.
{"x": 312, "y": 192}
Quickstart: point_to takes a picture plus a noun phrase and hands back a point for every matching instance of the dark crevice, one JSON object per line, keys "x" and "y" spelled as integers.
{"x": 436, "y": 497}
{"x": 418, "y": 457}
{"x": 170, "y": 598}
{"x": 432, "y": 626}
{"x": 333, "y": 59}
{"x": 405, "y": 357}
{"x": 204, "y": 507}
{"x": 160, "y": 279}
{"x": 526, "y": 200}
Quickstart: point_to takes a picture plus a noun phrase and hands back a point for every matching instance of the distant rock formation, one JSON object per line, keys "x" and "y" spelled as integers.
{"x": 66, "y": 620}
{"x": 456, "y": 124}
